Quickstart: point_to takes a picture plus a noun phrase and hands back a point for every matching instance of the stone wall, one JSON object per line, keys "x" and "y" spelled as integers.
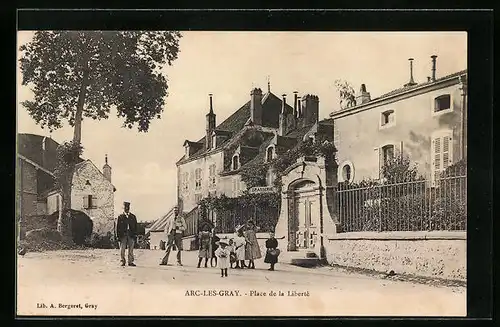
{"x": 428, "y": 254}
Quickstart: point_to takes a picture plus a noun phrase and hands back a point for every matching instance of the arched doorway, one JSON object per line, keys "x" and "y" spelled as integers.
{"x": 305, "y": 215}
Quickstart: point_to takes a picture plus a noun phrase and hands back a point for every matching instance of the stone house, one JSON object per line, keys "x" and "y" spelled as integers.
{"x": 260, "y": 130}
{"x": 92, "y": 191}
{"x": 426, "y": 121}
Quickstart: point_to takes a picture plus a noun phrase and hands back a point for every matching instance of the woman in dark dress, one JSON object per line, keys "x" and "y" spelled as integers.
{"x": 272, "y": 252}
{"x": 215, "y": 245}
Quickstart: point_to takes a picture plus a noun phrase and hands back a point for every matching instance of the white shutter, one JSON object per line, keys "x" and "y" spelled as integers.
{"x": 94, "y": 201}
{"x": 447, "y": 149}
{"x": 85, "y": 202}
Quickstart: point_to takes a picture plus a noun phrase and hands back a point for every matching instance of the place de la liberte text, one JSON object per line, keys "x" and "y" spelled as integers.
{"x": 214, "y": 292}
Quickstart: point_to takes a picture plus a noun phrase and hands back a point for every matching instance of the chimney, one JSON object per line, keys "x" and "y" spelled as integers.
{"x": 282, "y": 120}
{"x": 362, "y": 96}
{"x": 256, "y": 106}
{"x": 433, "y": 78}
{"x": 310, "y": 109}
{"x": 106, "y": 169}
{"x": 210, "y": 127}
{"x": 295, "y": 100}
{"x": 411, "y": 82}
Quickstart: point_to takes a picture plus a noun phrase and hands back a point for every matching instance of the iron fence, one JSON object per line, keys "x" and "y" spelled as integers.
{"x": 264, "y": 217}
{"x": 405, "y": 205}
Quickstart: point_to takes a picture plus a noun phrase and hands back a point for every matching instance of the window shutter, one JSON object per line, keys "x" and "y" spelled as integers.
{"x": 447, "y": 148}
{"x": 85, "y": 202}
{"x": 94, "y": 201}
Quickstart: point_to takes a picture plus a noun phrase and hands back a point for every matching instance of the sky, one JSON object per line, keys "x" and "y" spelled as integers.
{"x": 229, "y": 65}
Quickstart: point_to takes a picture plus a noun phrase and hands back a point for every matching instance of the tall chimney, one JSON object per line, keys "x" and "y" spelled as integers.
{"x": 283, "y": 118}
{"x": 433, "y": 78}
{"x": 295, "y": 99}
{"x": 363, "y": 96}
{"x": 106, "y": 169}
{"x": 210, "y": 127}
{"x": 411, "y": 82}
{"x": 256, "y": 106}
{"x": 283, "y": 104}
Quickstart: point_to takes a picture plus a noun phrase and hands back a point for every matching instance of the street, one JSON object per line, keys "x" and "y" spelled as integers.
{"x": 91, "y": 282}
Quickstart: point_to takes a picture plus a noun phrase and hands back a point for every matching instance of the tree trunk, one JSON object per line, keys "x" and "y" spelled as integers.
{"x": 64, "y": 223}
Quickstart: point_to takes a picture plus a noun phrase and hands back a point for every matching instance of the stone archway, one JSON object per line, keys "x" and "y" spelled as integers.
{"x": 306, "y": 219}
{"x": 304, "y": 215}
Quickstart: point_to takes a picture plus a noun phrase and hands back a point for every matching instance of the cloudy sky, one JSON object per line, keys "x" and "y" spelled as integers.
{"x": 229, "y": 64}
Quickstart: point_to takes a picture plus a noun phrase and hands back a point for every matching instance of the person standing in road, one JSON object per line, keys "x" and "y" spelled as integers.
{"x": 174, "y": 229}
{"x": 272, "y": 251}
{"x": 223, "y": 254}
{"x": 215, "y": 243}
{"x": 239, "y": 247}
{"x": 205, "y": 244}
{"x": 126, "y": 232}
{"x": 252, "y": 249}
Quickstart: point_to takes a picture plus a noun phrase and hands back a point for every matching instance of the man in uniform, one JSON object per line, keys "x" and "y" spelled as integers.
{"x": 126, "y": 232}
{"x": 174, "y": 229}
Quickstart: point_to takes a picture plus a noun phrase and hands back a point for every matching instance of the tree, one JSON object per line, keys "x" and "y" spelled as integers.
{"x": 399, "y": 168}
{"x": 346, "y": 93}
{"x": 84, "y": 74}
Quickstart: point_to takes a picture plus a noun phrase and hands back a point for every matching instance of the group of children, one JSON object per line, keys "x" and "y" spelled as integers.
{"x": 243, "y": 246}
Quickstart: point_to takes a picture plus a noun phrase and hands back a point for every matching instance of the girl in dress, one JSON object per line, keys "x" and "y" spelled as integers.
{"x": 215, "y": 240}
{"x": 232, "y": 257}
{"x": 205, "y": 248}
{"x": 223, "y": 254}
{"x": 239, "y": 247}
{"x": 272, "y": 252}
{"x": 252, "y": 249}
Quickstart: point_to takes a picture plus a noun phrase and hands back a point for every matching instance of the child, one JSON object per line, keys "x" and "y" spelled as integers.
{"x": 239, "y": 247}
{"x": 232, "y": 256}
{"x": 205, "y": 248}
{"x": 223, "y": 255}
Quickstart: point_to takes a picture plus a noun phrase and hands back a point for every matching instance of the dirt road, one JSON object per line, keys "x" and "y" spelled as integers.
{"x": 91, "y": 282}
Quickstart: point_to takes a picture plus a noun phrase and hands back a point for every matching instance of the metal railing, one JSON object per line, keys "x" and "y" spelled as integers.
{"x": 264, "y": 217}
{"x": 404, "y": 205}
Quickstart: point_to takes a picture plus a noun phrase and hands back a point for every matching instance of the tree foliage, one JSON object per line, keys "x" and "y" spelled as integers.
{"x": 84, "y": 74}
{"x": 96, "y": 70}
{"x": 346, "y": 93}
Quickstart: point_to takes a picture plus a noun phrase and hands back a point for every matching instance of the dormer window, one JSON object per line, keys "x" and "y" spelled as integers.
{"x": 236, "y": 162}
{"x": 214, "y": 141}
{"x": 387, "y": 119}
{"x": 270, "y": 153}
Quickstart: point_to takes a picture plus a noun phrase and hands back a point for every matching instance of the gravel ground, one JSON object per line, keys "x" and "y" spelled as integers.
{"x": 91, "y": 282}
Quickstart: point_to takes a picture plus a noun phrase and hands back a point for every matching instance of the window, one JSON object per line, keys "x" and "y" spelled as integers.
{"x": 347, "y": 171}
{"x": 236, "y": 187}
{"x": 387, "y": 153}
{"x": 236, "y": 162}
{"x": 387, "y": 118}
{"x": 89, "y": 202}
{"x": 270, "y": 154}
{"x": 185, "y": 182}
{"x": 270, "y": 177}
{"x": 213, "y": 177}
{"x": 198, "y": 178}
{"x": 197, "y": 198}
{"x": 441, "y": 153}
{"x": 442, "y": 103}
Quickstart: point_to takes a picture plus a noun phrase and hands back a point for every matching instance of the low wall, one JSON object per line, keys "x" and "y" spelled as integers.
{"x": 429, "y": 254}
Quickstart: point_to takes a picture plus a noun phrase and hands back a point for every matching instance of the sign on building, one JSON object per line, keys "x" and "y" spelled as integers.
{"x": 262, "y": 189}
